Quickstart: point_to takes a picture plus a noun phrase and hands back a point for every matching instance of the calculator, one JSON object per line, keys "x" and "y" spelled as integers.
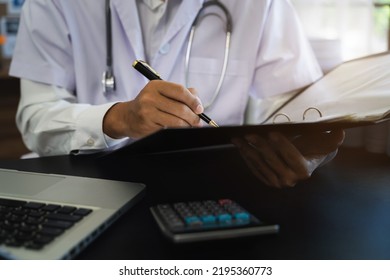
{"x": 208, "y": 220}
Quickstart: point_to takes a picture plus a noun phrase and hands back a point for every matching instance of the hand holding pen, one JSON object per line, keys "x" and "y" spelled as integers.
{"x": 151, "y": 74}
{"x": 159, "y": 104}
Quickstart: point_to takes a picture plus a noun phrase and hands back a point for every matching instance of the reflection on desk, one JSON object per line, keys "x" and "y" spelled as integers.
{"x": 339, "y": 213}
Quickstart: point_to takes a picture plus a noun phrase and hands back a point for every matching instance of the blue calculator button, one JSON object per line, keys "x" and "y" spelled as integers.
{"x": 208, "y": 219}
{"x": 225, "y": 218}
{"x": 193, "y": 220}
{"x": 242, "y": 216}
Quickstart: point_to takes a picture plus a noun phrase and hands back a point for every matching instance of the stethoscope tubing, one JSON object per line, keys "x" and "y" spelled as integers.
{"x": 108, "y": 79}
{"x": 229, "y": 28}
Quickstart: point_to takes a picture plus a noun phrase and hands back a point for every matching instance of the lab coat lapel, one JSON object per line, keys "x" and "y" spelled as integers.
{"x": 130, "y": 24}
{"x": 186, "y": 14}
{"x": 178, "y": 30}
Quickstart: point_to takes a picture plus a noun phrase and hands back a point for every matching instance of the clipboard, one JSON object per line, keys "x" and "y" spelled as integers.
{"x": 354, "y": 94}
{"x": 179, "y": 139}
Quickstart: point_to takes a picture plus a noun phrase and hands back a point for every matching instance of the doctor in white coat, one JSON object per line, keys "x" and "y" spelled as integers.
{"x": 61, "y": 54}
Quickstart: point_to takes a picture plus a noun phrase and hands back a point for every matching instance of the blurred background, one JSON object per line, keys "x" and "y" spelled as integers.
{"x": 338, "y": 30}
{"x": 11, "y": 145}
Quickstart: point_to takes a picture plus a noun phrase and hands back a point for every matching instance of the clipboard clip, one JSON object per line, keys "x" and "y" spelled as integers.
{"x": 304, "y": 115}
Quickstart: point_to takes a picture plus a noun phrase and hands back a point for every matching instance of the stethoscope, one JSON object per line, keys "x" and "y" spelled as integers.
{"x": 108, "y": 79}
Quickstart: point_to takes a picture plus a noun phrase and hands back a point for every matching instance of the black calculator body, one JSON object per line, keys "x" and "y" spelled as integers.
{"x": 208, "y": 220}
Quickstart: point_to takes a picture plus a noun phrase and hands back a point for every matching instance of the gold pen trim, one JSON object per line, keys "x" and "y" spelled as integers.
{"x": 213, "y": 123}
{"x": 143, "y": 63}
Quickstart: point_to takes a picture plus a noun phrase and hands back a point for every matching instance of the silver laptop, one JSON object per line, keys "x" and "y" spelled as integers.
{"x": 56, "y": 216}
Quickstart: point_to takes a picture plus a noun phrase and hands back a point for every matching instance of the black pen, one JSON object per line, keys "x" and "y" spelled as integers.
{"x": 151, "y": 74}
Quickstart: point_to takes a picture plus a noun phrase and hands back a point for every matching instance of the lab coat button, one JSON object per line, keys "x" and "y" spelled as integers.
{"x": 165, "y": 49}
{"x": 90, "y": 142}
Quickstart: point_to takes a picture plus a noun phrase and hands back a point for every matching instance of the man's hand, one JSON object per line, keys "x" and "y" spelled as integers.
{"x": 280, "y": 162}
{"x": 160, "y": 104}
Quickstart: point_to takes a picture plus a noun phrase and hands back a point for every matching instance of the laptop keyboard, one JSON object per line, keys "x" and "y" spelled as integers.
{"x": 33, "y": 225}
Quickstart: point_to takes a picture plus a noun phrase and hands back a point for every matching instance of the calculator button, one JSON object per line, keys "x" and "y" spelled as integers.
{"x": 164, "y": 207}
{"x": 209, "y": 219}
{"x": 242, "y": 216}
{"x": 176, "y": 224}
{"x": 225, "y": 218}
{"x": 225, "y": 201}
{"x": 193, "y": 221}
{"x": 203, "y": 213}
{"x": 195, "y": 205}
{"x": 166, "y": 210}
{"x": 180, "y": 206}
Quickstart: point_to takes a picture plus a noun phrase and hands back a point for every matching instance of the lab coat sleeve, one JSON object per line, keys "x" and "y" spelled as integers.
{"x": 285, "y": 60}
{"x": 263, "y": 110}
{"x": 51, "y": 122}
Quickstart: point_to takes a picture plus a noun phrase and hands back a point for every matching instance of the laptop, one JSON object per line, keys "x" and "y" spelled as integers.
{"x": 46, "y": 216}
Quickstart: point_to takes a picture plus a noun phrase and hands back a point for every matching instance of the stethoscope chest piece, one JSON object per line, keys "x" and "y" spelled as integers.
{"x": 108, "y": 81}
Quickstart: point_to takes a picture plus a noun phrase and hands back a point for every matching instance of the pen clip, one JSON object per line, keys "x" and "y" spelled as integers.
{"x": 143, "y": 64}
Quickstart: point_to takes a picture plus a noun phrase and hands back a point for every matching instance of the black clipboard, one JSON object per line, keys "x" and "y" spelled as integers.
{"x": 178, "y": 139}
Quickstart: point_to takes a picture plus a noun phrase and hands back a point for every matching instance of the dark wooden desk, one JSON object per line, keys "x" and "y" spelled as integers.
{"x": 342, "y": 212}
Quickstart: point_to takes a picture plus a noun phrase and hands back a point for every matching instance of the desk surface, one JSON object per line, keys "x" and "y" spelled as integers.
{"x": 342, "y": 212}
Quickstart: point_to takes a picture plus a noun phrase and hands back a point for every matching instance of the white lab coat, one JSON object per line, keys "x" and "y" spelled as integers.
{"x": 62, "y": 43}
